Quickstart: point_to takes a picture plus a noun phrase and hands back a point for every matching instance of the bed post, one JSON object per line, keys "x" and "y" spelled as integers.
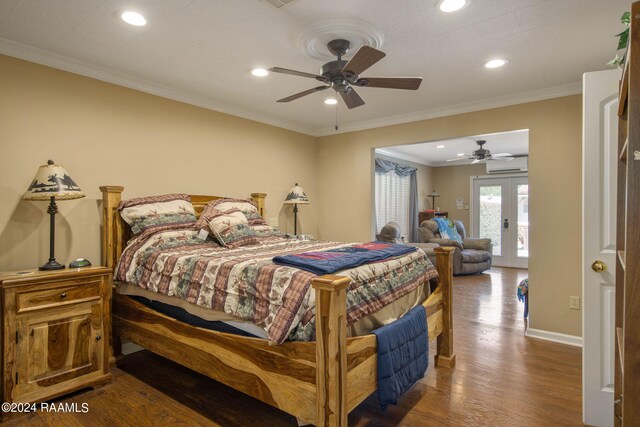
{"x": 445, "y": 356}
{"x": 111, "y": 225}
{"x": 331, "y": 349}
{"x": 259, "y": 199}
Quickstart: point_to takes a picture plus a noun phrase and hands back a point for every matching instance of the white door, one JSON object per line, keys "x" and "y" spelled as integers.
{"x": 501, "y": 213}
{"x": 599, "y": 166}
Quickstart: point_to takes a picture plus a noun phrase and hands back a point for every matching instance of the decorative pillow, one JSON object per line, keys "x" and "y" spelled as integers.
{"x": 146, "y": 212}
{"x": 266, "y": 231}
{"x": 230, "y": 228}
{"x": 247, "y": 207}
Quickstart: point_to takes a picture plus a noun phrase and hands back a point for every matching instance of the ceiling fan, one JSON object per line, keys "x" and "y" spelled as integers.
{"x": 482, "y": 155}
{"x": 342, "y": 76}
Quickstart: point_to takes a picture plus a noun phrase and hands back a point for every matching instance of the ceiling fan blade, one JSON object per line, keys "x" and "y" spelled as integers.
{"x": 304, "y": 93}
{"x": 502, "y": 155}
{"x": 364, "y": 58}
{"x": 408, "y": 83}
{"x": 352, "y": 99}
{"x": 501, "y": 158}
{"x": 475, "y": 161}
{"x": 296, "y": 73}
{"x": 459, "y": 159}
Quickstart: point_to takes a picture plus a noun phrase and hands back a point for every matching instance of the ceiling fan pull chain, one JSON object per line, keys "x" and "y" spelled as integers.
{"x": 336, "y": 116}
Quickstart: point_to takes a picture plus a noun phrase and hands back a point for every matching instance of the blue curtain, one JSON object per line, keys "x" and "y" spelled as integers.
{"x": 385, "y": 166}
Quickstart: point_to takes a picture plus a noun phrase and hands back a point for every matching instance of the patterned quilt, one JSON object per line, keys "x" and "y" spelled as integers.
{"x": 245, "y": 283}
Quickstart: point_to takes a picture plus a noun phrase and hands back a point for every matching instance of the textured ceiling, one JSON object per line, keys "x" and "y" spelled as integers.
{"x": 428, "y": 153}
{"x": 200, "y": 51}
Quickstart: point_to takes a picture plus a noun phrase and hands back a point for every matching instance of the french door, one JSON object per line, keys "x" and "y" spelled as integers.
{"x": 501, "y": 213}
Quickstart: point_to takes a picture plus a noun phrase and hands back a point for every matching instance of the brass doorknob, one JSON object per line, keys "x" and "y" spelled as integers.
{"x": 599, "y": 266}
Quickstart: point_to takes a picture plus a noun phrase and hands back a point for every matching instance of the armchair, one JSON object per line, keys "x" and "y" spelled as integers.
{"x": 470, "y": 257}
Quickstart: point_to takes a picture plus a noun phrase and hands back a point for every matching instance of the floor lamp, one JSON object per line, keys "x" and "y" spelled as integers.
{"x": 296, "y": 197}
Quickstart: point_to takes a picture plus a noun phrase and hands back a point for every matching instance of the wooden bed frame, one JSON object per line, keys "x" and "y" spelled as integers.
{"x": 317, "y": 382}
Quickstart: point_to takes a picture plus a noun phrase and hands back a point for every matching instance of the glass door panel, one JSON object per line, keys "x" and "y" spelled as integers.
{"x": 490, "y": 205}
{"x": 522, "y": 191}
{"x": 501, "y": 213}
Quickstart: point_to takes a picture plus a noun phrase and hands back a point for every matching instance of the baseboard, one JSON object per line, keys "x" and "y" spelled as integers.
{"x": 554, "y": 336}
{"x": 129, "y": 347}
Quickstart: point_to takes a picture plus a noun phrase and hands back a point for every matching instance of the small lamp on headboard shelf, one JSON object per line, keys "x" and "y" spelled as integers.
{"x": 296, "y": 197}
{"x": 51, "y": 183}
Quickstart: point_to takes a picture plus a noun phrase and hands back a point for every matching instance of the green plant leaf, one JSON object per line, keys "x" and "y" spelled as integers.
{"x": 624, "y": 38}
{"x": 626, "y": 18}
{"x": 617, "y": 61}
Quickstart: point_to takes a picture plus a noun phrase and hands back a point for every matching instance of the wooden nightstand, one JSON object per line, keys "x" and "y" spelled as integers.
{"x": 55, "y": 332}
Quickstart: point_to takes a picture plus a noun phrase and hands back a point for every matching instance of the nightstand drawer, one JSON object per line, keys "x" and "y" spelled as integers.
{"x": 65, "y": 293}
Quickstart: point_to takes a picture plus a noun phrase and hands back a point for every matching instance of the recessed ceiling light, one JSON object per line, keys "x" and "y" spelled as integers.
{"x": 439, "y": 146}
{"x": 331, "y": 101}
{"x": 460, "y": 154}
{"x": 133, "y": 18}
{"x": 449, "y": 6}
{"x": 496, "y": 63}
{"x": 259, "y": 72}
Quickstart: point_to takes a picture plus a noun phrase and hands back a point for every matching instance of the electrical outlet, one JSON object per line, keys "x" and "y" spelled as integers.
{"x": 273, "y": 222}
{"x": 574, "y": 303}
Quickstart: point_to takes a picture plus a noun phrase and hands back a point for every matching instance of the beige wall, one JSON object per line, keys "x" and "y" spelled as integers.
{"x": 555, "y": 191}
{"x": 107, "y": 134}
{"x": 452, "y": 182}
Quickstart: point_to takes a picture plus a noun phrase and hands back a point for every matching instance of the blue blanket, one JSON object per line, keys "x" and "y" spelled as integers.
{"x": 327, "y": 262}
{"x": 447, "y": 229}
{"x": 403, "y": 355}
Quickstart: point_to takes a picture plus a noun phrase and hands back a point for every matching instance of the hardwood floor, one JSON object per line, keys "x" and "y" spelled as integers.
{"x": 501, "y": 378}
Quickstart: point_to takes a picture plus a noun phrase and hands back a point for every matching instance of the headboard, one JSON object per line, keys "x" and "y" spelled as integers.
{"x": 116, "y": 232}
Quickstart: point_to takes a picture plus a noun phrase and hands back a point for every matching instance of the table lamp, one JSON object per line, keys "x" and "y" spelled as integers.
{"x": 50, "y": 183}
{"x": 433, "y": 196}
{"x": 296, "y": 197}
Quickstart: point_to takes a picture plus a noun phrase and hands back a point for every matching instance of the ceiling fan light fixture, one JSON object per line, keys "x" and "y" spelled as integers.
{"x": 331, "y": 101}
{"x": 496, "y": 63}
{"x": 448, "y": 6}
{"x": 133, "y": 18}
{"x": 260, "y": 72}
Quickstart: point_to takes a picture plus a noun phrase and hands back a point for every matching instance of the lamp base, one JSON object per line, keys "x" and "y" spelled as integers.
{"x": 51, "y": 265}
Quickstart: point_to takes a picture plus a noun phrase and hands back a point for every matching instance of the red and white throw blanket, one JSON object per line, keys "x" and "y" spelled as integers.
{"x": 245, "y": 283}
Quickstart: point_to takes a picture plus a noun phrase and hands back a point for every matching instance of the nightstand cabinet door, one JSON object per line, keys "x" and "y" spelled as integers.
{"x": 56, "y": 346}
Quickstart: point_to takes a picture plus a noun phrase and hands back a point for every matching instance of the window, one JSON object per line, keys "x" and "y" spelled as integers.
{"x": 392, "y": 201}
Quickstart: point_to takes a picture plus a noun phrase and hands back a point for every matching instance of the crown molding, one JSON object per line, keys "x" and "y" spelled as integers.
{"x": 50, "y": 59}
{"x": 485, "y": 104}
{"x": 402, "y": 156}
{"x": 43, "y": 57}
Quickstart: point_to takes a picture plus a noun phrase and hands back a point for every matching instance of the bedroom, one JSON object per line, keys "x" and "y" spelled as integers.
{"x": 91, "y": 100}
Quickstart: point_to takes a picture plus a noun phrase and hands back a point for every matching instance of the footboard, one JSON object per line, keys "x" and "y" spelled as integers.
{"x": 346, "y": 369}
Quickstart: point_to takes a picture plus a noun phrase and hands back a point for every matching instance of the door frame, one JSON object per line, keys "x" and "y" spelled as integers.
{"x": 472, "y": 179}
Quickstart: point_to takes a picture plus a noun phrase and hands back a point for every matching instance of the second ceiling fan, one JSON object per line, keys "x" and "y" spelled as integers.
{"x": 342, "y": 76}
{"x": 483, "y": 155}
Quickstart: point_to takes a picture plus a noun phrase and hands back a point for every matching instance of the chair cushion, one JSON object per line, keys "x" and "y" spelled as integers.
{"x": 475, "y": 256}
